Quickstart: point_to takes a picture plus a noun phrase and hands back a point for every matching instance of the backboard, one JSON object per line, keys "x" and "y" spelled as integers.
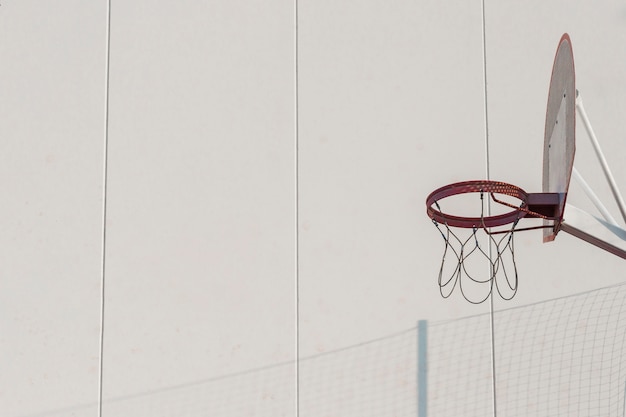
{"x": 559, "y": 139}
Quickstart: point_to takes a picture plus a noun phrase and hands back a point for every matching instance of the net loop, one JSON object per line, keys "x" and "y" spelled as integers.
{"x": 458, "y": 251}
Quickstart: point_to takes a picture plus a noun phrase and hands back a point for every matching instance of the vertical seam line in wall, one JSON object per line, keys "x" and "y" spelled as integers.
{"x": 104, "y": 206}
{"x": 297, "y": 209}
{"x": 488, "y": 174}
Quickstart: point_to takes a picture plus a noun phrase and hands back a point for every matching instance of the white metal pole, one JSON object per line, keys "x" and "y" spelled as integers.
{"x": 605, "y": 166}
{"x": 594, "y": 198}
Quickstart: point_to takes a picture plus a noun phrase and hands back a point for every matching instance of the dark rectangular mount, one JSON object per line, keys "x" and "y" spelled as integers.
{"x": 544, "y": 205}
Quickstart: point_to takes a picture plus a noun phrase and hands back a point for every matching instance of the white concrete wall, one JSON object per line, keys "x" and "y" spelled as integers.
{"x": 201, "y": 201}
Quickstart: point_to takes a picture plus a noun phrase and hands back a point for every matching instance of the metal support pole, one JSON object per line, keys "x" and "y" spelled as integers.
{"x": 593, "y": 197}
{"x": 601, "y": 158}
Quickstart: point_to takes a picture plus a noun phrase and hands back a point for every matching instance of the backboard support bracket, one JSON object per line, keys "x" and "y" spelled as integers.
{"x": 594, "y": 231}
{"x": 605, "y": 234}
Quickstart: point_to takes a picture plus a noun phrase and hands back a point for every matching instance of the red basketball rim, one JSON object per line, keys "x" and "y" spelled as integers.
{"x": 476, "y": 186}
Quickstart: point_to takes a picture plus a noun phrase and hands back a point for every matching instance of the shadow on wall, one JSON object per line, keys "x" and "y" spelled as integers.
{"x": 552, "y": 358}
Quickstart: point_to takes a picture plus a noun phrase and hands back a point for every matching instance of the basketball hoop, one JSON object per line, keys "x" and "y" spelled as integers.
{"x": 485, "y": 228}
{"x": 490, "y": 237}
